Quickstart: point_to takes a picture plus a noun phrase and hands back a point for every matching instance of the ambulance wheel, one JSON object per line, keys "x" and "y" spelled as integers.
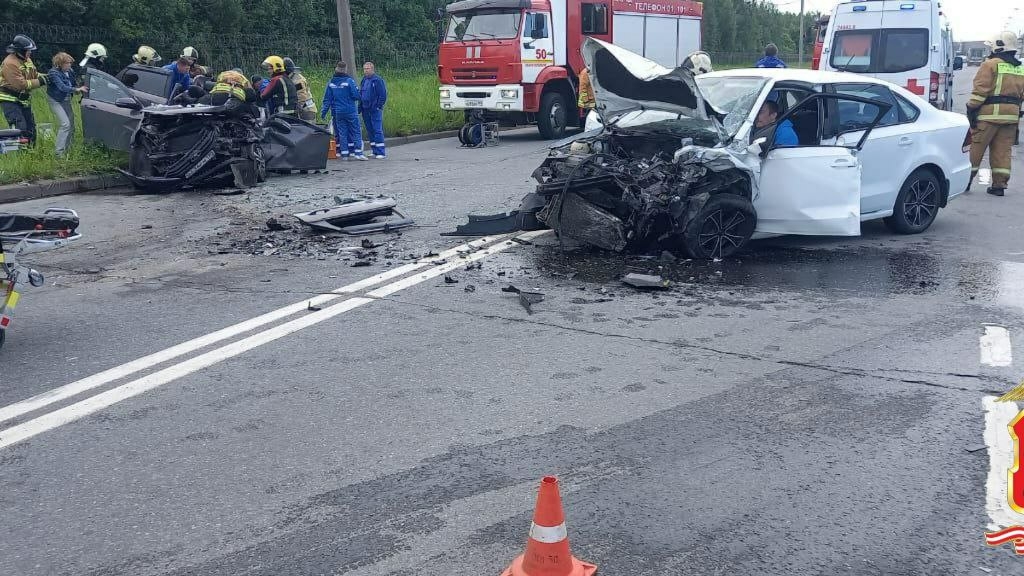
{"x": 552, "y": 116}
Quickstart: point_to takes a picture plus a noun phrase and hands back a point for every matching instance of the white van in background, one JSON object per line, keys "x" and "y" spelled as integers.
{"x": 906, "y": 42}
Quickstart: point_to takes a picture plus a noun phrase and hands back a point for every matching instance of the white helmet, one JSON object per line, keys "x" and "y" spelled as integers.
{"x": 96, "y": 51}
{"x": 189, "y": 53}
{"x": 698, "y": 63}
{"x": 1005, "y": 41}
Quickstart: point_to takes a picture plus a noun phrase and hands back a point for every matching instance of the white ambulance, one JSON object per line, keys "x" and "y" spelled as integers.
{"x": 906, "y": 42}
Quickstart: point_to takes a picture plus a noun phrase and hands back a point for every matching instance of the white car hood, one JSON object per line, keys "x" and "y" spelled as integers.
{"x": 624, "y": 81}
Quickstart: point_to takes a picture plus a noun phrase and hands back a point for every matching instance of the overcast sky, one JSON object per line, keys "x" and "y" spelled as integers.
{"x": 971, "y": 19}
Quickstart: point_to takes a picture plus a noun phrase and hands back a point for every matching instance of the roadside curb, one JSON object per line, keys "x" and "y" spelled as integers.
{"x": 46, "y": 188}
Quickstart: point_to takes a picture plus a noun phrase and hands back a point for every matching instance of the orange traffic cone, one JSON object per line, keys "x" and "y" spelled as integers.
{"x": 332, "y": 150}
{"x": 547, "y": 548}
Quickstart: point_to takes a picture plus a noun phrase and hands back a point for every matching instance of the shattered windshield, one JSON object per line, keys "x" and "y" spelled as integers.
{"x": 733, "y": 95}
{"x": 478, "y": 25}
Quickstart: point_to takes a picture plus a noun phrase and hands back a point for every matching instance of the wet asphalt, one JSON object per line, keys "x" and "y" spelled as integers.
{"x": 811, "y": 406}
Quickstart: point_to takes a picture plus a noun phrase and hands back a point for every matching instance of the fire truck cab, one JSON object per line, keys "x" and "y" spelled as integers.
{"x": 518, "y": 61}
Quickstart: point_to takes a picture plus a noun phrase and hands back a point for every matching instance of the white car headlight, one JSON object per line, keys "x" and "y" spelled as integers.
{"x": 445, "y": 94}
{"x": 510, "y": 93}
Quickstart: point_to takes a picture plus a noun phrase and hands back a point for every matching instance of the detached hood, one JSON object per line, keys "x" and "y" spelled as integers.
{"x": 624, "y": 81}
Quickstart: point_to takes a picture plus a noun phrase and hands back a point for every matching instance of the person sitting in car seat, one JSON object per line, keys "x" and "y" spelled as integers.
{"x": 766, "y": 119}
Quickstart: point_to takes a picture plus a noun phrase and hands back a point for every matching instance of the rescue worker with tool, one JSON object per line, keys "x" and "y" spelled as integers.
{"x": 18, "y": 77}
{"x": 340, "y": 99}
{"x": 305, "y": 103}
{"x": 279, "y": 92}
{"x": 994, "y": 110}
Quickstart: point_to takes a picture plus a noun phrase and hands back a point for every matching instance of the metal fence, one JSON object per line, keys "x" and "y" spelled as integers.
{"x": 228, "y": 51}
{"x": 217, "y": 50}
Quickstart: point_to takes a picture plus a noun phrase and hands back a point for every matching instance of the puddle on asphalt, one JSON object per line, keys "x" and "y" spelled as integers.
{"x": 861, "y": 272}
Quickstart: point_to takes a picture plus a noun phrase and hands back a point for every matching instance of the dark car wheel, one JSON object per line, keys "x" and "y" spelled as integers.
{"x": 723, "y": 226}
{"x": 917, "y": 204}
{"x": 552, "y": 116}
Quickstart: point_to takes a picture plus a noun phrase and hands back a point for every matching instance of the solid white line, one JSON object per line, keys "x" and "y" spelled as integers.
{"x": 998, "y": 416}
{"x": 995, "y": 347}
{"x": 51, "y": 420}
{"x": 116, "y": 373}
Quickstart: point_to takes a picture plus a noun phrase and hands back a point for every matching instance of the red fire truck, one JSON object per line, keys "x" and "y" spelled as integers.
{"x": 517, "y": 61}
{"x": 820, "y": 28}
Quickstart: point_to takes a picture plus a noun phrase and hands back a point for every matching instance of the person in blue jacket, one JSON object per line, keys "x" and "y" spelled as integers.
{"x": 373, "y": 94}
{"x": 179, "y": 76}
{"x": 771, "y": 58}
{"x": 766, "y": 118}
{"x": 341, "y": 99}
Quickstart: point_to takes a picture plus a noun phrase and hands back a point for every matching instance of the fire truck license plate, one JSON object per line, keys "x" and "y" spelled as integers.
{"x": 474, "y": 103}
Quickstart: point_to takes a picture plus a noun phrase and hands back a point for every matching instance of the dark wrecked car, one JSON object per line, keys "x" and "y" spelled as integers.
{"x": 199, "y": 141}
{"x": 675, "y": 164}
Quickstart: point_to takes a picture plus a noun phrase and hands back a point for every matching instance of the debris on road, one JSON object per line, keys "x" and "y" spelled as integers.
{"x": 449, "y": 280}
{"x": 470, "y": 288}
{"x": 646, "y": 281}
{"x": 275, "y": 225}
{"x": 362, "y": 215}
{"x": 361, "y": 263}
{"x": 526, "y": 299}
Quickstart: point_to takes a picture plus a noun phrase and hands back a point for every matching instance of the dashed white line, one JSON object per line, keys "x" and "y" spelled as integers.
{"x": 116, "y": 373}
{"x": 73, "y": 412}
{"x": 995, "y": 347}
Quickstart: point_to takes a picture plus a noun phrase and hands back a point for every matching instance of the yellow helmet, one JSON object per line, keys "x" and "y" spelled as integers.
{"x": 274, "y": 64}
{"x": 233, "y": 78}
{"x": 146, "y": 56}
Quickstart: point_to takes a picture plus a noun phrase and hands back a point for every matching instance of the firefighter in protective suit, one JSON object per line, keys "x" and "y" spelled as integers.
{"x": 233, "y": 91}
{"x": 18, "y": 77}
{"x": 994, "y": 109}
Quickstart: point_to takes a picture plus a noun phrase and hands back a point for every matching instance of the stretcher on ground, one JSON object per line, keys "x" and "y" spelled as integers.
{"x": 22, "y": 234}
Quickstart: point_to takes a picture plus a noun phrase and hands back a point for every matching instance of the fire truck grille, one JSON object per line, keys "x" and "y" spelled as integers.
{"x": 476, "y": 74}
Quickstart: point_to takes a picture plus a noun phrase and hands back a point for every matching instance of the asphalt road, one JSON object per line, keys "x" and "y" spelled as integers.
{"x": 811, "y": 406}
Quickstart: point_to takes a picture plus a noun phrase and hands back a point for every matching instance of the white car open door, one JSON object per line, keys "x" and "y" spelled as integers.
{"x": 813, "y": 189}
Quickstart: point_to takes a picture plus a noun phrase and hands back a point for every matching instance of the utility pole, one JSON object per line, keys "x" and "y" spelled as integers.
{"x": 348, "y": 45}
{"x": 801, "y": 49}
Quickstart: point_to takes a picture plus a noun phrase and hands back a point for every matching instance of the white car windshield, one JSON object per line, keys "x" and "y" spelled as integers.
{"x": 481, "y": 25}
{"x": 734, "y": 95}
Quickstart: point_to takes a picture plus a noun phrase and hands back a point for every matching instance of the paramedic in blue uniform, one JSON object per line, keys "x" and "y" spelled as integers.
{"x": 373, "y": 94}
{"x": 341, "y": 99}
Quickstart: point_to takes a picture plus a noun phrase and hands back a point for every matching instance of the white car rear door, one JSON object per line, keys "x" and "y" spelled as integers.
{"x": 813, "y": 189}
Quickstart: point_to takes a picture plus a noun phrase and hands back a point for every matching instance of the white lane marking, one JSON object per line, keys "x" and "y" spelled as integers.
{"x": 116, "y": 373}
{"x": 78, "y": 410}
{"x": 998, "y": 416}
{"x": 995, "y": 347}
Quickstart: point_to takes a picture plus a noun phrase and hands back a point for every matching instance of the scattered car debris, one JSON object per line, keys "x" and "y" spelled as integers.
{"x": 594, "y": 301}
{"x": 522, "y": 242}
{"x": 525, "y": 218}
{"x": 449, "y": 280}
{"x": 312, "y": 308}
{"x": 360, "y": 263}
{"x": 526, "y": 299}
{"x": 646, "y": 281}
{"x": 274, "y": 225}
{"x": 357, "y": 216}
{"x": 470, "y": 288}
{"x": 368, "y": 244}
{"x": 475, "y": 265}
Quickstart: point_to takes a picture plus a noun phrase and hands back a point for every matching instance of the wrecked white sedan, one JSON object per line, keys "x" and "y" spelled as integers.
{"x": 693, "y": 164}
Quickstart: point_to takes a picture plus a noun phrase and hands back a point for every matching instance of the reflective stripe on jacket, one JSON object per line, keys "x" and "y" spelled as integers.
{"x": 18, "y": 76}
{"x": 234, "y": 91}
{"x": 998, "y": 90}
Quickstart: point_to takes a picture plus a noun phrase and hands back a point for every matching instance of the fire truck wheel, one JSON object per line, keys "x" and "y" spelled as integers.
{"x": 552, "y": 115}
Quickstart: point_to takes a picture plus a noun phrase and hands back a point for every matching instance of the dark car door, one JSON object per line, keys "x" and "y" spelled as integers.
{"x": 149, "y": 83}
{"x": 102, "y": 120}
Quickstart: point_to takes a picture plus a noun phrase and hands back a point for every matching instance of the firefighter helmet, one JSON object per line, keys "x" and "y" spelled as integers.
{"x": 698, "y": 62}
{"x": 274, "y": 64}
{"x": 21, "y": 44}
{"x": 1005, "y": 41}
{"x": 146, "y": 56}
{"x": 95, "y": 51}
{"x": 189, "y": 53}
